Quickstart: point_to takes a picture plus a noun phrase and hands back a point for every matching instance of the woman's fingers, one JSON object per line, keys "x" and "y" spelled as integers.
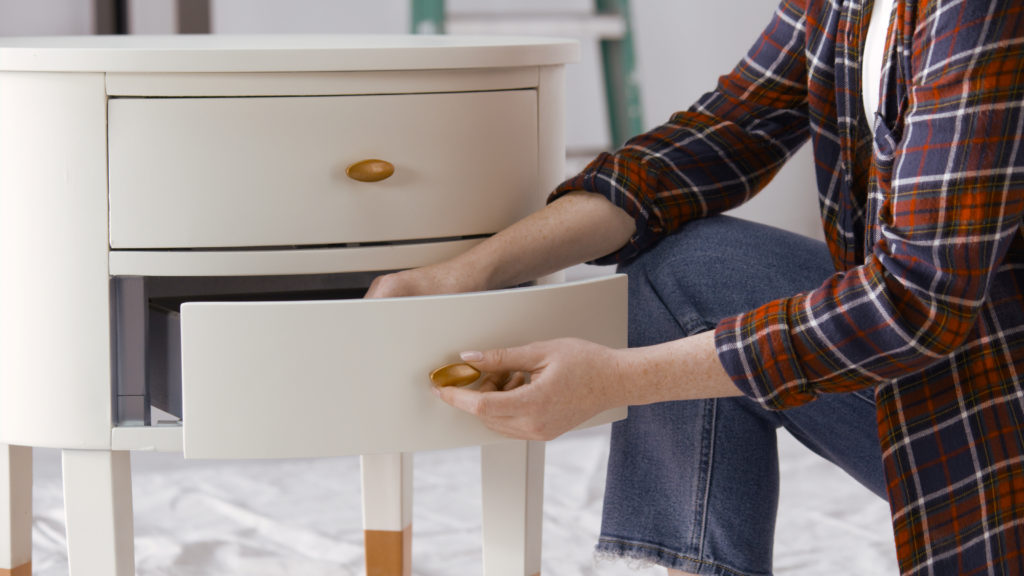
{"x": 500, "y": 411}
{"x": 527, "y": 358}
{"x": 515, "y": 380}
{"x": 540, "y": 390}
{"x": 484, "y": 404}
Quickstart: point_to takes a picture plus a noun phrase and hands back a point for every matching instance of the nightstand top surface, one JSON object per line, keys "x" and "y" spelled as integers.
{"x": 278, "y": 53}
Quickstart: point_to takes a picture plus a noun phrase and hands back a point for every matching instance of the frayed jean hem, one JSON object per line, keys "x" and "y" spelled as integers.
{"x": 641, "y": 554}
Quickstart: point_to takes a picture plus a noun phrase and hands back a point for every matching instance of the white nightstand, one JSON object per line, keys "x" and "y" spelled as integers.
{"x": 178, "y": 228}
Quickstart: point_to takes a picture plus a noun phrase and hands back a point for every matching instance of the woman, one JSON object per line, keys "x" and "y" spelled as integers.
{"x": 898, "y": 353}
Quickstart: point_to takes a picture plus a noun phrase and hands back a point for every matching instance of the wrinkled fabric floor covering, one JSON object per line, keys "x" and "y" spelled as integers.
{"x": 277, "y": 517}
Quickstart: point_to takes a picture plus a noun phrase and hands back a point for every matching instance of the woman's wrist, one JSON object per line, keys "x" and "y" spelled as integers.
{"x": 682, "y": 369}
{"x": 471, "y": 271}
{"x": 560, "y": 235}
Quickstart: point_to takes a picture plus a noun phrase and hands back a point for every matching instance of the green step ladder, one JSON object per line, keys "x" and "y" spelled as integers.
{"x": 622, "y": 87}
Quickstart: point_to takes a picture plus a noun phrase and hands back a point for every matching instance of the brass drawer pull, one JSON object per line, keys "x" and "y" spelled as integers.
{"x": 454, "y": 375}
{"x": 371, "y": 170}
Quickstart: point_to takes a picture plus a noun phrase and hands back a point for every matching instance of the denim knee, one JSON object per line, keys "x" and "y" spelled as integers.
{"x": 712, "y": 269}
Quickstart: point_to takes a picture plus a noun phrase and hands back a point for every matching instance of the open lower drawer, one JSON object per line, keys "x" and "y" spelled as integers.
{"x": 336, "y": 377}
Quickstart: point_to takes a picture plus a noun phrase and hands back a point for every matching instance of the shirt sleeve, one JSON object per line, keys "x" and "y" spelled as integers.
{"x": 721, "y": 151}
{"x": 948, "y": 207}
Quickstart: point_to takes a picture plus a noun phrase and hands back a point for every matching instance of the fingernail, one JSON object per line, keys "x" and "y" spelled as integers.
{"x": 436, "y": 391}
{"x": 471, "y": 356}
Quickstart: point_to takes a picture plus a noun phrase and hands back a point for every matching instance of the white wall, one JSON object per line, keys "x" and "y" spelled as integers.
{"x": 310, "y": 16}
{"x": 45, "y": 17}
{"x": 152, "y": 16}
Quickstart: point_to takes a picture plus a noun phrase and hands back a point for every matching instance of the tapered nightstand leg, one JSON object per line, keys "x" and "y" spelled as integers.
{"x": 15, "y": 510}
{"x": 513, "y": 501}
{"x": 387, "y": 514}
{"x": 98, "y": 508}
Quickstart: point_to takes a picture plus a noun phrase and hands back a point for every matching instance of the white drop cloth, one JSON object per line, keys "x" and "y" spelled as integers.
{"x": 284, "y": 517}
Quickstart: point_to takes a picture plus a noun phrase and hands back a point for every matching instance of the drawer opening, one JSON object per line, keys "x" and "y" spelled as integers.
{"x": 147, "y": 330}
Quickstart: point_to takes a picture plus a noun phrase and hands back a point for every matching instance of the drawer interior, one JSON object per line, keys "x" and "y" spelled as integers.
{"x": 147, "y": 318}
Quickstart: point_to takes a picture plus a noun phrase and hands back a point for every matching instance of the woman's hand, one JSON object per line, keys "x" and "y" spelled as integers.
{"x": 444, "y": 278}
{"x": 541, "y": 390}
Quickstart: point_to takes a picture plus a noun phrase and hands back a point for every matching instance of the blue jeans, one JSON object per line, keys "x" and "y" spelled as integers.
{"x": 693, "y": 485}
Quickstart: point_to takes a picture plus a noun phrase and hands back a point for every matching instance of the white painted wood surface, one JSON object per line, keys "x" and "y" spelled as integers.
{"x": 319, "y": 83}
{"x": 299, "y": 379}
{"x": 98, "y": 509}
{"x": 387, "y": 491}
{"x": 513, "y": 507}
{"x": 551, "y": 135}
{"x": 166, "y": 438}
{"x": 54, "y": 298}
{"x": 250, "y": 172}
{"x": 279, "y": 53}
{"x": 294, "y": 261}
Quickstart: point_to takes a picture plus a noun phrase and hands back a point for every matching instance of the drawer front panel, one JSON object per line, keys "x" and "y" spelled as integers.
{"x": 304, "y": 379}
{"x": 246, "y": 172}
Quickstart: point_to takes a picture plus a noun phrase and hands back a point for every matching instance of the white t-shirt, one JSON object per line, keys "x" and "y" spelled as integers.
{"x": 874, "y": 51}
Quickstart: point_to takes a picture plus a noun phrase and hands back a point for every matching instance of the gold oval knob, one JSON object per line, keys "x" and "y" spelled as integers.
{"x": 458, "y": 374}
{"x": 372, "y": 170}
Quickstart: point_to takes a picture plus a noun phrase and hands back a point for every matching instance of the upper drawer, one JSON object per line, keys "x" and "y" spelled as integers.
{"x": 243, "y": 172}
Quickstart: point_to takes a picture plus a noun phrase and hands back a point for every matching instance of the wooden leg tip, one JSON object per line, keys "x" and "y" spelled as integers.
{"x": 23, "y": 570}
{"x": 388, "y": 553}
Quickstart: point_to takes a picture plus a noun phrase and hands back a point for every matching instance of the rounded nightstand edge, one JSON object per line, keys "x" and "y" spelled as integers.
{"x": 278, "y": 53}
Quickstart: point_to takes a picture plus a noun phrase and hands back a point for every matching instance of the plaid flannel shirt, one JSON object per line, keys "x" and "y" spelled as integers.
{"x": 923, "y": 221}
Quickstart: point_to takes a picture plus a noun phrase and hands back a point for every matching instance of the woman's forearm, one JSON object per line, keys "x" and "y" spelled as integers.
{"x": 577, "y": 227}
